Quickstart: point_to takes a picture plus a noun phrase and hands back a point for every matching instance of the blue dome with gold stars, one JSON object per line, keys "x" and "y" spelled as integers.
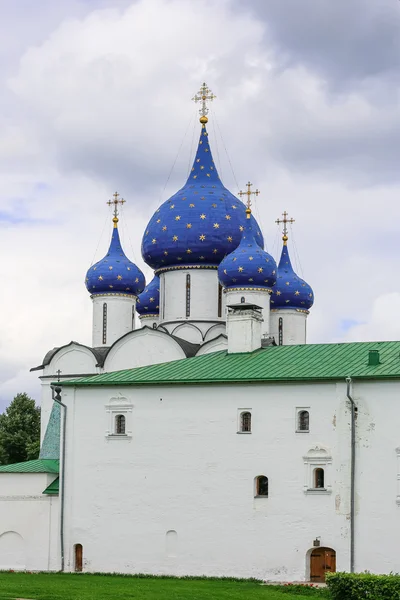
{"x": 148, "y": 301}
{"x": 249, "y": 266}
{"x": 200, "y": 224}
{"x": 290, "y": 290}
{"x": 115, "y": 273}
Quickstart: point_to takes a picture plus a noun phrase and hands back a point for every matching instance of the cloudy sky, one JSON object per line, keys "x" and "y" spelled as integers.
{"x": 95, "y": 96}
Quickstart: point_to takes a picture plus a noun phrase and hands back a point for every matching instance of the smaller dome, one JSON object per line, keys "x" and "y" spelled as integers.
{"x": 290, "y": 290}
{"x": 148, "y": 301}
{"x": 248, "y": 265}
{"x": 115, "y": 273}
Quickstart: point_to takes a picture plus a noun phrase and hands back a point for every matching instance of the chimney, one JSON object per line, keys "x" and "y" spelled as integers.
{"x": 243, "y": 327}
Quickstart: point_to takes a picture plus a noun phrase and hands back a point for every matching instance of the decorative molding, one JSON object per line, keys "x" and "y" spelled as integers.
{"x": 183, "y": 267}
{"x": 318, "y": 457}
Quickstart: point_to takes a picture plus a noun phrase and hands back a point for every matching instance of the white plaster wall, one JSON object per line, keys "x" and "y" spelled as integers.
{"x": 215, "y": 345}
{"x": 260, "y": 298}
{"x": 142, "y": 347}
{"x": 119, "y": 318}
{"x": 244, "y": 331}
{"x": 149, "y": 321}
{"x": 29, "y": 530}
{"x": 294, "y": 326}
{"x": 186, "y": 469}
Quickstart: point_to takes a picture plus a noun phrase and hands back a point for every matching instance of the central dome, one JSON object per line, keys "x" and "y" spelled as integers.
{"x": 199, "y": 225}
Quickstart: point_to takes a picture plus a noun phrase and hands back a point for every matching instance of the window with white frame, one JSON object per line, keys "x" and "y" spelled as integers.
{"x": 119, "y": 418}
{"x": 317, "y": 471}
{"x": 244, "y": 420}
{"x": 303, "y": 420}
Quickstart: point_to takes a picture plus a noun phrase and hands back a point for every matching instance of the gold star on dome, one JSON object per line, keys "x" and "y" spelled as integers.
{"x": 202, "y": 237}
{"x": 101, "y": 278}
{"x": 208, "y": 175}
{"x": 251, "y": 258}
{"x": 197, "y": 160}
{"x": 111, "y": 286}
{"x": 128, "y": 268}
{"x": 287, "y": 282}
{"x": 137, "y": 280}
{"x": 227, "y": 217}
{"x": 225, "y": 271}
{"x": 188, "y": 251}
{"x": 229, "y": 238}
{"x": 202, "y": 197}
{"x": 202, "y": 257}
{"x": 151, "y": 300}
{"x": 215, "y": 251}
{"x": 273, "y": 272}
{"x": 94, "y": 268}
{"x": 234, "y": 206}
{"x": 188, "y": 226}
{"x": 234, "y": 259}
{"x": 250, "y": 279}
{"x": 184, "y": 198}
{"x": 110, "y": 267}
{"x": 214, "y": 205}
{"x": 241, "y": 228}
{"x": 158, "y": 221}
{"x": 175, "y": 238}
{"x": 164, "y": 228}
{"x": 310, "y": 295}
{"x": 260, "y": 269}
{"x": 172, "y": 206}
{"x": 147, "y": 232}
{"x": 153, "y": 241}
{"x": 201, "y": 167}
{"x": 194, "y": 176}
{"x": 205, "y": 149}
{"x": 177, "y": 218}
{"x": 203, "y": 216}
{"x": 278, "y": 293}
{"x": 297, "y": 293}
{"x": 216, "y": 225}
{"x": 165, "y": 253}
{"x": 119, "y": 276}
{"x": 191, "y": 205}
{"x": 240, "y": 269}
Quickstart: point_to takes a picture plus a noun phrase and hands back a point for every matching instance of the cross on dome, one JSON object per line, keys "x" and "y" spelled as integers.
{"x": 116, "y": 201}
{"x": 249, "y": 194}
{"x": 202, "y": 96}
{"x": 285, "y": 222}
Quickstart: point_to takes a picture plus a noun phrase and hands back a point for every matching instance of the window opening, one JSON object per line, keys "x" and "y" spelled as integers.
{"x": 262, "y": 486}
{"x": 120, "y": 424}
{"x": 319, "y": 478}
{"x": 188, "y": 295}
{"x": 133, "y": 318}
{"x": 219, "y": 300}
{"x": 104, "y": 323}
{"x": 303, "y": 420}
{"x": 245, "y": 422}
{"x": 280, "y": 332}
{"x": 78, "y": 558}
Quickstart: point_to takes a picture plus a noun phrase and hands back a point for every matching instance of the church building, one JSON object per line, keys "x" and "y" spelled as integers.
{"x": 200, "y": 434}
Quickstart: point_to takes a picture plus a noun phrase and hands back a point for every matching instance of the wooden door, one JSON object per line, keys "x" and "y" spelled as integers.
{"x": 322, "y": 561}
{"x": 78, "y": 557}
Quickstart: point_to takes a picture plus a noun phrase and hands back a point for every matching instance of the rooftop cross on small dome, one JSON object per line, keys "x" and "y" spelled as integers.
{"x": 202, "y": 96}
{"x": 285, "y": 222}
{"x": 116, "y": 201}
{"x": 249, "y": 194}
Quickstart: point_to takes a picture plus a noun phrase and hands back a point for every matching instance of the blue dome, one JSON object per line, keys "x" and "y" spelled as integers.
{"x": 198, "y": 225}
{"x": 115, "y": 273}
{"x": 290, "y": 290}
{"x": 249, "y": 265}
{"x": 148, "y": 301}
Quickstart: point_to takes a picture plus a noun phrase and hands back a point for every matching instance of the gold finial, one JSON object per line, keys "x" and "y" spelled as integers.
{"x": 249, "y": 194}
{"x": 116, "y": 201}
{"x": 202, "y": 96}
{"x": 285, "y": 222}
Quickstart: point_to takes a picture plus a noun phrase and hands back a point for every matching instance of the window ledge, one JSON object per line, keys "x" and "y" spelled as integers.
{"x": 118, "y": 436}
{"x": 261, "y": 497}
{"x": 244, "y": 432}
{"x": 302, "y": 431}
{"x": 318, "y": 491}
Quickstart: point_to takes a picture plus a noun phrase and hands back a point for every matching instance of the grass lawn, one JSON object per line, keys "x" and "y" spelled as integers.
{"x": 45, "y": 586}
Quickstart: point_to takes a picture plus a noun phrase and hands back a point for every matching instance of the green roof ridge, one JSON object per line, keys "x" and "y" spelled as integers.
{"x": 50, "y": 447}
{"x": 41, "y": 465}
{"x": 53, "y": 489}
{"x": 308, "y": 362}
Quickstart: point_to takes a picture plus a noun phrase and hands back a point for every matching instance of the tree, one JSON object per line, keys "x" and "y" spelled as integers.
{"x": 20, "y": 431}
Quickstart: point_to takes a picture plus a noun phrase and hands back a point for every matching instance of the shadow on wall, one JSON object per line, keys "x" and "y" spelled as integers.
{"x": 12, "y": 551}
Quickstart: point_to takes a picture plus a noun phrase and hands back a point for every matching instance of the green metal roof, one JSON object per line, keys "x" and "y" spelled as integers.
{"x": 32, "y": 466}
{"x": 50, "y": 447}
{"x": 276, "y": 363}
{"x": 53, "y": 488}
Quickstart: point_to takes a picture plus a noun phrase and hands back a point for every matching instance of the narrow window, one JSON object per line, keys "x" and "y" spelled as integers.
{"x": 219, "y": 300}
{"x": 303, "y": 421}
{"x": 319, "y": 478}
{"x": 120, "y": 425}
{"x": 245, "y": 422}
{"x": 188, "y": 295}
{"x": 262, "y": 486}
{"x": 78, "y": 558}
{"x": 280, "y": 332}
{"x": 133, "y": 318}
{"x": 104, "y": 323}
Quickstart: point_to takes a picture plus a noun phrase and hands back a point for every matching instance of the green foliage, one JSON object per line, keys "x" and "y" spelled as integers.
{"x": 357, "y": 586}
{"x": 20, "y": 431}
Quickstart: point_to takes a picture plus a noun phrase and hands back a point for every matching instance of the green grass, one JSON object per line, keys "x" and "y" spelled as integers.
{"x": 54, "y": 586}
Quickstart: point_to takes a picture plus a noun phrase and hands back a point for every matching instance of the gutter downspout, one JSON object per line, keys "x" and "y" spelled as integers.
{"x": 57, "y": 398}
{"x": 352, "y": 471}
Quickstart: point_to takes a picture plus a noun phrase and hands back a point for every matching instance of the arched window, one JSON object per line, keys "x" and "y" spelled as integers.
{"x": 120, "y": 425}
{"x": 245, "y": 422}
{"x": 133, "y": 318}
{"x": 262, "y": 486}
{"x": 303, "y": 423}
{"x": 319, "y": 478}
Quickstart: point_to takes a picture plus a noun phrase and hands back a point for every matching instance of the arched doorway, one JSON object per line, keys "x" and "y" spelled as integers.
{"x": 78, "y": 558}
{"x": 322, "y": 561}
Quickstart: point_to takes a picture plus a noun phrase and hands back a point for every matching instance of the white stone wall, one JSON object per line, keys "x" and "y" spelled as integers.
{"x": 294, "y": 326}
{"x": 185, "y": 469}
{"x": 258, "y": 297}
{"x": 120, "y": 318}
{"x": 29, "y": 525}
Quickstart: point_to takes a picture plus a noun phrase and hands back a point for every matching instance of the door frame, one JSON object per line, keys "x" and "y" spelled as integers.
{"x": 308, "y": 559}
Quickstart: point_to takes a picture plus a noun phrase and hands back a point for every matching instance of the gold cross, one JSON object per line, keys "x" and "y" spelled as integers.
{"x": 249, "y": 194}
{"x": 285, "y": 222}
{"x": 202, "y": 96}
{"x": 116, "y": 201}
